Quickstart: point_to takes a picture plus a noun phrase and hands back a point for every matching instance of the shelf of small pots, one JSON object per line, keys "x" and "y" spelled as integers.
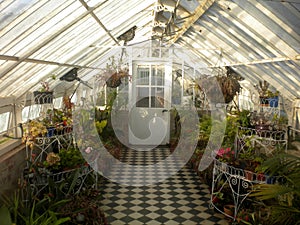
{"x": 234, "y": 178}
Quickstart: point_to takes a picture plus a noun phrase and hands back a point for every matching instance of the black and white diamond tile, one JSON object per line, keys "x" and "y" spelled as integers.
{"x": 180, "y": 199}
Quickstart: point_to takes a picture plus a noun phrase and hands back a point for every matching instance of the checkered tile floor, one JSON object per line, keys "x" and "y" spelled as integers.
{"x": 180, "y": 199}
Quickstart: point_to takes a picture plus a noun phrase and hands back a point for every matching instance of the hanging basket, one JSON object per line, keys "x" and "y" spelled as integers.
{"x": 45, "y": 97}
{"x": 114, "y": 81}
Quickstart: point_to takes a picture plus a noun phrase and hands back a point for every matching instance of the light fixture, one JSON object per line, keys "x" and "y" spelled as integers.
{"x": 72, "y": 76}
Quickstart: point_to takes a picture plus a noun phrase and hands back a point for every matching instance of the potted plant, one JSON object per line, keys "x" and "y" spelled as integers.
{"x": 217, "y": 196}
{"x": 261, "y": 122}
{"x": 229, "y": 86}
{"x": 280, "y": 122}
{"x": 273, "y": 98}
{"x": 32, "y": 130}
{"x": 262, "y": 89}
{"x": 44, "y": 95}
{"x": 114, "y": 72}
{"x": 284, "y": 195}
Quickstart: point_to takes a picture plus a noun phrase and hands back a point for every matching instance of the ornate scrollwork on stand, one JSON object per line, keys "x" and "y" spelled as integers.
{"x": 237, "y": 180}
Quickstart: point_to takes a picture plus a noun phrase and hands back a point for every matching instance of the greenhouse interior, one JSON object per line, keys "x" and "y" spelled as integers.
{"x": 150, "y": 112}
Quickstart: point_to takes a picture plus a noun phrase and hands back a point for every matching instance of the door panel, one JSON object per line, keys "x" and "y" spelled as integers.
{"x": 149, "y": 119}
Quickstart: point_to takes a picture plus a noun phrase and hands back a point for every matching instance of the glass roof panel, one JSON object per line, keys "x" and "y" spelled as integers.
{"x": 39, "y": 31}
{"x": 31, "y": 74}
{"x": 114, "y": 15}
{"x": 11, "y": 9}
{"x": 78, "y": 37}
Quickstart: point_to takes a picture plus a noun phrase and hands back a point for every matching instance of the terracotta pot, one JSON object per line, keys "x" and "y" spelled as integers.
{"x": 215, "y": 199}
{"x": 229, "y": 210}
{"x": 248, "y": 175}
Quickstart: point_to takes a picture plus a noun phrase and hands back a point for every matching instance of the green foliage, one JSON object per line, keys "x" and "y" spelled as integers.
{"x": 100, "y": 125}
{"x": 244, "y": 118}
{"x": 5, "y": 216}
{"x": 205, "y": 125}
{"x": 230, "y": 132}
{"x": 285, "y": 195}
{"x": 84, "y": 208}
{"x": 71, "y": 158}
{"x": 36, "y": 212}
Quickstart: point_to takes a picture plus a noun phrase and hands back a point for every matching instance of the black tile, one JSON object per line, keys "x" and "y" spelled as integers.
{"x": 162, "y": 219}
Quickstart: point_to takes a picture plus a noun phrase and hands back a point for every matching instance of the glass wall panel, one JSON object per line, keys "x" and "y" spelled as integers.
{"x": 4, "y": 120}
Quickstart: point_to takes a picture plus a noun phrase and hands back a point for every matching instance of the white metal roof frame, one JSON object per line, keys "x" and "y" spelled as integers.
{"x": 260, "y": 39}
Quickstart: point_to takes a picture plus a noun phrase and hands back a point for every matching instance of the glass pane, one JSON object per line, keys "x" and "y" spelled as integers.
{"x": 4, "y": 117}
{"x": 58, "y": 103}
{"x": 34, "y": 111}
{"x": 25, "y": 114}
{"x": 143, "y": 76}
{"x": 157, "y": 76}
{"x": 142, "y": 97}
{"x": 157, "y": 97}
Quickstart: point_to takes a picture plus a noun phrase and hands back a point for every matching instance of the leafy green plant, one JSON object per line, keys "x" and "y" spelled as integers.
{"x": 205, "y": 125}
{"x": 284, "y": 196}
{"x": 70, "y": 158}
{"x": 244, "y": 118}
{"x": 32, "y": 212}
{"x": 230, "y": 132}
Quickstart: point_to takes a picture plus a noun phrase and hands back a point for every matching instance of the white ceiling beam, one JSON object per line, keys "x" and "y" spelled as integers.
{"x": 260, "y": 61}
{"x": 38, "y": 61}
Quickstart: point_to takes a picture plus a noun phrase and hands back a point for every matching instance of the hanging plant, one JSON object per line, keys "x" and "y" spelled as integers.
{"x": 44, "y": 95}
{"x": 115, "y": 72}
{"x": 228, "y": 85}
{"x": 115, "y": 80}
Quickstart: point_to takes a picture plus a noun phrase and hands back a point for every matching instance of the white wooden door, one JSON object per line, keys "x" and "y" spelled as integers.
{"x": 149, "y": 117}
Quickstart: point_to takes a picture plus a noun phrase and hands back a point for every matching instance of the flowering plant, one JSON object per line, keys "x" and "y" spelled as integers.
{"x": 226, "y": 155}
{"x": 34, "y": 129}
{"x": 45, "y": 84}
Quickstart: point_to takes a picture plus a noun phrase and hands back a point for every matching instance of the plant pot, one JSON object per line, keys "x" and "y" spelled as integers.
{"x": 273, "y": 102}
{"x": 215, "y": 198}
{"x": 261, "y": 177}
{"x": 114, "y": 81}
{"x": 264, "y": 101}
{"x": 50, "y": 132}
{"x": 270, "y": 180}
{"x": 43, "y": 97}
{"x": 229, "y": 210}
{"x": 248, "y": 175}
